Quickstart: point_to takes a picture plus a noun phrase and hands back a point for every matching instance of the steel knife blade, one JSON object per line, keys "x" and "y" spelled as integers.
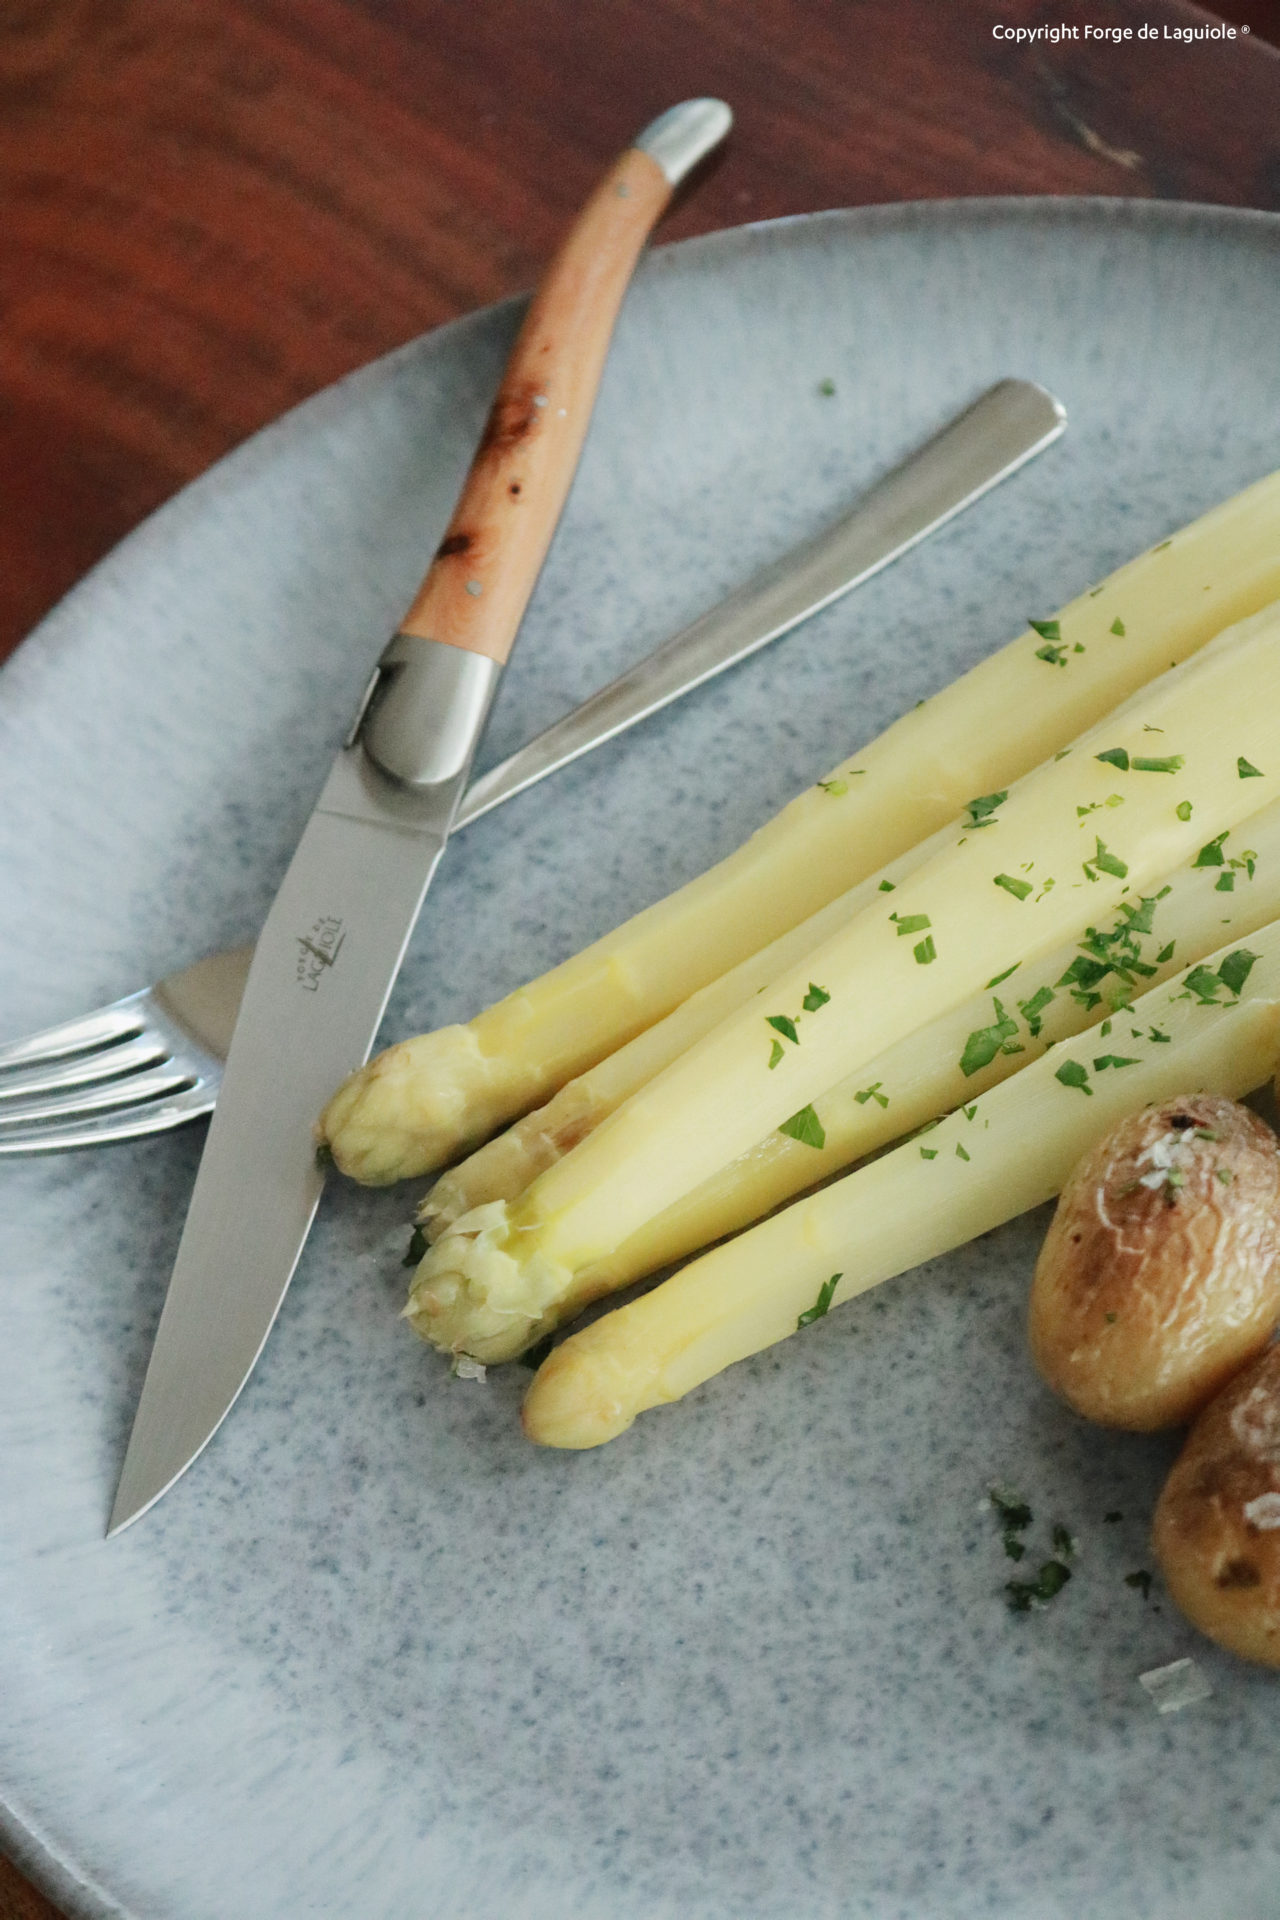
{"x": 336, "y": 933}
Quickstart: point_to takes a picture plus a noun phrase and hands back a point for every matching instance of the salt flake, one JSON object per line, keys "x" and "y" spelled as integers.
{"x": 1178, "y": 1685}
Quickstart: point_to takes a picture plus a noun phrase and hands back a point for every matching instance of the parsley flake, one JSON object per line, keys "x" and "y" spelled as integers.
{"x": 1225, "y": 882}
{"x": 1073, "y": 1074}
{"x": 1113, "y": 1060}
{"x": 928, "y": 1153}
{"x": 1117, "y": 626}
{"x": 872, "y": 1093}
{"x": 1023, "y": 1595}
{"x": 836, "y": 787}
{"x": 960, "y": 1152}
{"x": 827, "y": 387}
{"x": 982, "y": 810}
{"x": 805, "y": 1127}
{"x": 925, "y": 951}
{"x": 1166, "y": 763}
{"x": 982, "y": 1046}
{"x": 775, "y": 1054}
{"x": 822, "y": 1305}
{"x": 1183, "y": 809}
{"x": 1115, "y": 757}
{"x": 1247, "y": 771}
{"x": 911, "y": 922}
{"x": 1018, "y": 888}
{"x": 1211, "y": 855}
{"x": 1032, "y": 1009}
{"x": 782, "y": 1024}
{"x": 995, "y": 982}
{"x": 887, "y": 886}
{"x": 1047, "y": 629}
{"x": 815, "y": 998}
{"x": 1236, "y": 968}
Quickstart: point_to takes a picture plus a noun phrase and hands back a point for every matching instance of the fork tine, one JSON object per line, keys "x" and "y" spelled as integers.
{"x": 100, "y": 1129}
{"x": 107, "y": 1027}
{"x": 137, "y": 1090}
{"x": 126, "y": 1057}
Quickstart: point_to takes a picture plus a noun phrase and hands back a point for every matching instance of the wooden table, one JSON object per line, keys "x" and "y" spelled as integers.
{"x": 214, "y": 207}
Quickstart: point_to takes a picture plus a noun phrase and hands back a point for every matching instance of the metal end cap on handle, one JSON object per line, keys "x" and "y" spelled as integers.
{"x": 682, "y": 136}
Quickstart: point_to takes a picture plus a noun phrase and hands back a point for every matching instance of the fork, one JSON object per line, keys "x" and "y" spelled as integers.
{"x": 153, "y": 1060}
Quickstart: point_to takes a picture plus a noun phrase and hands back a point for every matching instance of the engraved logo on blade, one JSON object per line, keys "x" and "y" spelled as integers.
{"x": 318, "y": 950}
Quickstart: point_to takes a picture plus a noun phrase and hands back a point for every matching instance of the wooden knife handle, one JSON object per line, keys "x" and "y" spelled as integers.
{"x": 478, "y": 585}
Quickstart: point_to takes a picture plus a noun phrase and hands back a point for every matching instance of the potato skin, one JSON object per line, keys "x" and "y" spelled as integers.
{"x": 1160, "y": 1274}
{"x": 1217, "y": 1523}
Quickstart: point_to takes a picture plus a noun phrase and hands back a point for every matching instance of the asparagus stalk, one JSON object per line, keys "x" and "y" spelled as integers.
{"x": 937, "y": 1068}
{"x": 419, "y": 1104}
{"x": 1008, "y": 1151}
{"x": 997, "y": 897}
{"x": 507, "y": 1164}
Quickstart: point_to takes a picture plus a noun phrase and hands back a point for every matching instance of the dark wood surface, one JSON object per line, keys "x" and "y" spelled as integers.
{"x": 214, "y": 207}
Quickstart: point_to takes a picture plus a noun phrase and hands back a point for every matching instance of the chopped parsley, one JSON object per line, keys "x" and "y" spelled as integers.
{"x": 1183, "y": 809}
{"x": 1047, "y": 629}
{"x": 827, "y": 387}
{"x": 960, "y": 1152}
{"x": 1247, "y": 771}
{"x": 925, "y": 951}
{"x": 910, "y": 922}
{"x": 995, "y": 981}
{"x": 982, "y": 810}
{"x": 1072, "y": 1074}
{"x": 1032, "y": 1009}
{"x": 1165, "y": 953}
{"x": 982, "y": 1046}
{"x": 1211, "y": 855}
{"x": 782, "y": 1024}
{"x": 815, "y": 998}
{"x": 1106, "y": 1060}
{"x": 822, "y": 1305}
{"x": 1167, "y": 763}
{"x": 1018, "y": 888}
{"x": 1225, "y": 882}
{"x": 1117, "y": 627}
{"x": 1236, "y": 968}
{"x": 1205, "y": 984}
{"x": 805, "y": 1127}
{"x": 872, "y": 1093}
{"x": 887, "y": 886}
{"x": 1023, "y": 1595}
{"x": 928, "y": 1153}
{"x": 1115, "y": 757}
{"x": 776, "y": 1052}
{"x": 1104, "y": 861}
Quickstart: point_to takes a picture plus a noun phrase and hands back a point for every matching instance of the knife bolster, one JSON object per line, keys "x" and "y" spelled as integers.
{"x": 426, "y": 706}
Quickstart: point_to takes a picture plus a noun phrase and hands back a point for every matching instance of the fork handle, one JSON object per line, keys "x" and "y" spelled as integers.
{"x": 478, "y": 585}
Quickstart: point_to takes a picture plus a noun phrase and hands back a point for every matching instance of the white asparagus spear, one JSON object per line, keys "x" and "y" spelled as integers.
{"x": 941, "y": 1065}
{"x": 1010, "y": 1150}
{"x": 418, "y": 1104}
{"x": 1005, "y": 894}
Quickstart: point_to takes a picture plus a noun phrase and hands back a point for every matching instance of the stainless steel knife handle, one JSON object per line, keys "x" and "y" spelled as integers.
{"x": 1009, "y": 425}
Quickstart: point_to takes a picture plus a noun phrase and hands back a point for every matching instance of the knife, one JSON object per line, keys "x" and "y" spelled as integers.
{"x": 336, "y": 933}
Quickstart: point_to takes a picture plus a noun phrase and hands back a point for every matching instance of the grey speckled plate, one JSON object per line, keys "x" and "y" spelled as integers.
{"x": 376, "y": 1656}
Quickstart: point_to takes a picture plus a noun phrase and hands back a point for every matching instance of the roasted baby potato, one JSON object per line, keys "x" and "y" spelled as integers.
{"x": 1160, "y": 1275}
{"x": 1217, "y": 1524}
